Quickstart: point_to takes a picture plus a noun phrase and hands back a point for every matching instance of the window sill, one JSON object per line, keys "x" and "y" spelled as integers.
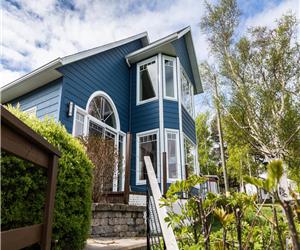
{"x": 174, "y": 99}
{"x": 146, "y": 101}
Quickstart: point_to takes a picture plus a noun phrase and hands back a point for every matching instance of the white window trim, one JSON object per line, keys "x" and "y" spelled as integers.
{"x": 174, "y": 77}
{"x": 185, "y": 137}
{"x": 123, "y": 159}
{"x": 191, "y": 87}
{"x": 137, "y": 165}
{"x": 173, "y": 131}
{"x": 31, "y": 111}
{"x": 87, "y": 118}
{"x": 77, "y": 109}
{"x": 138, "y": 102}
{"x": 111, "y": 102}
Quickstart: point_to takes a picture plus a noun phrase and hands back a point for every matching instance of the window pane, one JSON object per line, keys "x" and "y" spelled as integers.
{"x": 109, "y": 135}
{"x": 172, "y": 156}
{"x": 169, "y": 78}
{"x": 121, "y": 165}
{"x": 148, "y": 81}
{"x": 189, "y": 151}
{"x": 148, "y": 147}
{"x": 95, "y": 129}
{"x": 186, "y": 94}
{"x": 79, "y": 122}
{"x": 101, "y": 109}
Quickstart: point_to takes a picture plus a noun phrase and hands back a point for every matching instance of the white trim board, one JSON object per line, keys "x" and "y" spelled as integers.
{"x": 176, "y": 132}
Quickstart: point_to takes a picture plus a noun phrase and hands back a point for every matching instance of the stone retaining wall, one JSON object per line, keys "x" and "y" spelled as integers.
{"x": 118, "y": 220}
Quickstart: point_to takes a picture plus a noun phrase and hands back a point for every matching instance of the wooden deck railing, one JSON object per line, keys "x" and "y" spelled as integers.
{"x": 20, "y": 140}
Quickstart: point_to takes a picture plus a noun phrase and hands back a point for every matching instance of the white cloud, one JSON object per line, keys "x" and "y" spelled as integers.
{"x": 39, "y": 32}
{"x": 269, "y": 15}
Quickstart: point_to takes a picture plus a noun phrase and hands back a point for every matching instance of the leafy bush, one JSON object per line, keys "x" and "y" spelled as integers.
{"x": 23, "y": 187}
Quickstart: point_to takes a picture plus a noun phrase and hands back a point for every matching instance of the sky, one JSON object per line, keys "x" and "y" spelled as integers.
{"x": 35, "y": 32}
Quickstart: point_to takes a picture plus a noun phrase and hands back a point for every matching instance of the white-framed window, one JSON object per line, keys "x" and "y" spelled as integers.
{"x": 79, "y": 122}
{"x": 121, "y": 163}
{"x": 147, "y": 144}
{"x": 147, "y": 80}
{"x": 31, "y": 111}
{"x": 169, "y": 78}
{"x": 173, "y": 154}
{"x": 187, "y": 93}
{"x": 190, "y": 151}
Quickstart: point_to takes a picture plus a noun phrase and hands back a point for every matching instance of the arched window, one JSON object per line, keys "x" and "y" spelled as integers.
{"x": 100, "y": 118}
{"x": 101, "y": 109}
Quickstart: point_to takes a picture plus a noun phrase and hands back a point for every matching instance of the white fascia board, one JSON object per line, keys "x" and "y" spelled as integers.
{"x": 183, "y": 32}
{"x": 152, "y": 46}
{"x": 83, "y": 54}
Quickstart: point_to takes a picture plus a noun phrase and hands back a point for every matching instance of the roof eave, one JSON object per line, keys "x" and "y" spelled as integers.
{"x": 87, "y": 53}
{"x": 150, "y": 47}
{"x": 48, "y": 71}
{"x": 35, "y": 79}
{"x": 194, "y": 62}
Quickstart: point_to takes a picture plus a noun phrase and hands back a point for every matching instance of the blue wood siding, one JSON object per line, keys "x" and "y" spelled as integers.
{"x": 107, "y": 72}
{"x": 46, "y": 99}
{"x": 171, "y": 114}
{"x": 181, "y": 51}
{"x": 143, "y": 117}
{"x": 188, "y": 125}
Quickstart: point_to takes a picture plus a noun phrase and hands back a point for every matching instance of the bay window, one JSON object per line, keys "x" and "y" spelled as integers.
{"x": 147, "y": 145}
{"x": 190, "y": 156}
{"x": 169, "y": 78}
{"x": 147, "y": 80}
{"x": 187, "y": 93}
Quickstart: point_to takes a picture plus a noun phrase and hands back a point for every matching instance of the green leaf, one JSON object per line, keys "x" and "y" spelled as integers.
{"x": 275, "y": 170}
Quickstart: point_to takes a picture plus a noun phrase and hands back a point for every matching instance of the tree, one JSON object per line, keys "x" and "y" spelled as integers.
{"x": 261, "y": 71}
{"x": 210, "y": 78}
{"x": 207, "y": 158}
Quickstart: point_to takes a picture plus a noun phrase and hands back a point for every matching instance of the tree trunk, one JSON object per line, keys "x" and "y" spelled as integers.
{"x": 277, "y": 224}
{"x": 238, "y": 228}
{"x": 291, "y": 224}
{"x": 224, "y": 238}
{"x": 204, "y": 225}
{"x": 220, "y": 132}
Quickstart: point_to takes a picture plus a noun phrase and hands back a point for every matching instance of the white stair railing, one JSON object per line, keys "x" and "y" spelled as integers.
{"x": 159, "y": 235}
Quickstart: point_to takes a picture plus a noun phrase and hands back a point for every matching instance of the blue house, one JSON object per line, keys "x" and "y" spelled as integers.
{"x": 129, "y": 86}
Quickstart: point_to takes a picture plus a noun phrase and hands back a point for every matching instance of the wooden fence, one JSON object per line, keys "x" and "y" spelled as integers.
{"x": 20, "y": 140}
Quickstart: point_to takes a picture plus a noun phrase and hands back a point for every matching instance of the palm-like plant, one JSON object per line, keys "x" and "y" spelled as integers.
{"x": 225, "y": 219}
{"x": 275, "y": 172}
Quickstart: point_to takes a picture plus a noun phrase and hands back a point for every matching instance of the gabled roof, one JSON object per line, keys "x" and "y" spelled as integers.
{"x": 164, "y": 45}
{"x": 48, "y": 72}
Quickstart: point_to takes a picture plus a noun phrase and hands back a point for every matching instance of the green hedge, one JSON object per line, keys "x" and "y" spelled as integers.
{"x": 23, "y": 187}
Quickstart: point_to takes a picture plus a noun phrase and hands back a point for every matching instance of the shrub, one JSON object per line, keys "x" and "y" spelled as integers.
{"x": 22, "y": 187}
{"x": 103, "y": 155}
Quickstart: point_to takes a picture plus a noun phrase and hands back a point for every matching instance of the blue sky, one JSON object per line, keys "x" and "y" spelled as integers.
{"x": 36, "y": 32}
